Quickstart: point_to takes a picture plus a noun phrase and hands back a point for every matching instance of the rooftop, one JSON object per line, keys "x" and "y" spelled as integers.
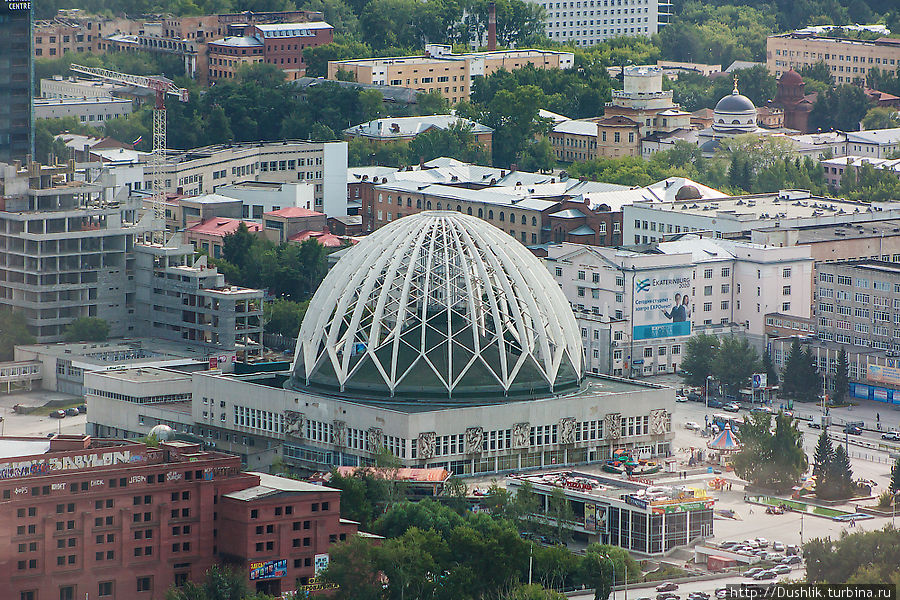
{"x": 840, "y": 231}
{"x": 786, "y": 204}
{"x": 292, "y": 212}
{"x": 869, "y": 264}
{"x": 875, "y": 136}
{"x": 149, "y": 375}
{"x": 222, "y": 226}
{"x": 400, "y": 127}
{"x": 271, "y": 485}
{"x": 77, "y": 101}
{"x": 290, "y": 29}
{"x": 237, "y": 41}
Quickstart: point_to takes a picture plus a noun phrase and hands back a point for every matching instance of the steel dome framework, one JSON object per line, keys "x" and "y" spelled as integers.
{"x": 439, "y": 304}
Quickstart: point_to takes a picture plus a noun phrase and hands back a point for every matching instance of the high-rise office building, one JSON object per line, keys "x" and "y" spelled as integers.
{"x": 15, "y": 80}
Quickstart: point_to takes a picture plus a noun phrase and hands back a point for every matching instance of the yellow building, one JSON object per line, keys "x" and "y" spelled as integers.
{"x": 442, "y": 70}
{"x": 846, "y": 59}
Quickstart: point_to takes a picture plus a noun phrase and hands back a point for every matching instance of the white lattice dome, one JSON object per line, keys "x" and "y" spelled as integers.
{"x": 437, "y": 306}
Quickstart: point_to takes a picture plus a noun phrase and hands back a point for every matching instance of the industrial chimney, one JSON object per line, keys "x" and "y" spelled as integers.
{"x": 492, "y": 28}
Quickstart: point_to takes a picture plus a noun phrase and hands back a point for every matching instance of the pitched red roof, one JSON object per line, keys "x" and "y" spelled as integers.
{"x": 326, "y": 238}
{"x": 293, "y": 211}
{"x": 222, "y": 226}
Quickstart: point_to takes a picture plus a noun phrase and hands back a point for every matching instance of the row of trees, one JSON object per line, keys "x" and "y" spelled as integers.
{"x": 730, "y": 360}
{"x": 434, "y": 551}
{"x": 802, "y": 381}
{"x": 860, "y": 557}
{"x": 457, "y": 142}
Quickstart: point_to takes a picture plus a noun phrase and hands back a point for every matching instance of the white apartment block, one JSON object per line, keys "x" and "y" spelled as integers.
{"x": 589, "y": 22}
{"x": 732, "y": 287}
{"x": 203, "y": 170}
{"x": 260, "y": 197}
{"x": 647, "y": 222}
{"x": 91, "y": 111}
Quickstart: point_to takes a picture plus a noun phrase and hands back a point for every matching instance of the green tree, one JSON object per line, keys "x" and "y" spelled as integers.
{"x": 895, "y": 476}
{"x": 699, "y": 358}
{"x": 342, "y": 48}
{"x": 881, "y": 117}
{"x": 560, "y": 511}
{"x": 87, "y": 329}
{"x": 13, "y": 332}
{"x": 841, "y": 108}
{"x": 773, "y": 459}
{"x": 798, "y": 376}
{"x": 284, "y": 316}
{"x": 838, "y": 476}
{"x": 823, "y": 456}
{"x": 538, "y": 156}
{"x": 354, "y": 566}
{"x": 842, "y": 377}
{"x": 768, "y": 367}
{"x": 432, "y": 102}
{"x": 534, "y": 592}
{"x": 863, "y": 556}
{"x": 734, "y": 363}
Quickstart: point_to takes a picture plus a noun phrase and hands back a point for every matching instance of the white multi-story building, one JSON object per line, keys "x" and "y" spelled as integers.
{"x": 202, "y": 170}
{"x": 92, "y": 111}
{"x": 645, "y": 222}
{"x": 260, "y": 197}
{"x": 589, "y": 22}
{"x": 729, "y": 286}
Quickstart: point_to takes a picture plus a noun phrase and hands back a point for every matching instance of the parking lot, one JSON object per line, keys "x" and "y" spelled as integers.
{"x": 38, "y": 423}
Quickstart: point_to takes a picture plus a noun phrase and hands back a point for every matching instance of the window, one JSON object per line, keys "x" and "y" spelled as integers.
{"x": 785, "y": 307}
{"x": 726, "y": 271}
{"x": 707, "y": 306}
{"x": 707, "y": 290}
{"x": 786, "y": 290}
{"x": 707, "y": 274}
{"x": 786, "y": 272}
{"x": 648, "y": 352}
{"x": 144, "y": 584}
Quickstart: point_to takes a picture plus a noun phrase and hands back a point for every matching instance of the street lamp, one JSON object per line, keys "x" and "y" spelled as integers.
{"x": 708, "y": 379}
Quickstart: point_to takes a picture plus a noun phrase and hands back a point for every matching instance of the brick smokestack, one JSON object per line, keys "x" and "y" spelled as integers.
{"x": 492, "y": 28}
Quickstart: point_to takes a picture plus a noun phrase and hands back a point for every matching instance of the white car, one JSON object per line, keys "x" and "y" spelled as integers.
{"x": 763, "y": 542}
{"x": 692, "y": 426}
{"x": 777, "y": 546}
{"x": 680, "y": 398}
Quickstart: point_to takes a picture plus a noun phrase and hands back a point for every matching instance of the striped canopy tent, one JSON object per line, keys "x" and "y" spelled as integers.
{"x": 726, "y": 441}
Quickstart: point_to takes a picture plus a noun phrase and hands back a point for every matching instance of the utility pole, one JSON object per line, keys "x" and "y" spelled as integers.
{"x": 530, "y": 561}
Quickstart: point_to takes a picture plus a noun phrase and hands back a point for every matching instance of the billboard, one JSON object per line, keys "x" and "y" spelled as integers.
{"x": 273, "y": 569}
{"x": 760, "y": 381}
{"x": 595, "y": 517}
{"x": 883, "y": 374}
{"x": 321, "y": 563}
{"x": 662, "y": 305}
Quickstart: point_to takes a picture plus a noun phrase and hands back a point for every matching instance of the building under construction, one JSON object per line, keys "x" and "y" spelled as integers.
{"x": 70, "y": 249}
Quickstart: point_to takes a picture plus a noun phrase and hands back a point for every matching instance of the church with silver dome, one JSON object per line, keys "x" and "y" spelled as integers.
{"x": 442, "y": 340}
{"x": 735, "y": 114}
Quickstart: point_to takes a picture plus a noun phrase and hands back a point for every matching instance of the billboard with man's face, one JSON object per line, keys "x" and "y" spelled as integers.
{"x": 662, "y": 305}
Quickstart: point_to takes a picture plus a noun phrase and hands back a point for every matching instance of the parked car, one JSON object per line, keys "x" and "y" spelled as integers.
{"x": 752, "y": 544}
{"x": 693, "y": 397}
{"x": 680, "y": 398}
{"x": 667, "y": 596}
{"x": 668, "y": 586}
{"x": 728, "y": 544}
{"x": 765, "y": 575}
{"x": 892, "y": 436}
{"x": 761, "y": 409}
{"x": 82, "y": 409}
{"x": 814, "y": 425}
{"x": 72, "y": 412}
{"x": 692, "y": 426}
{"x": 777, "y": 546}
{"x": 852, "y": 430}
{"x": 58, "y": 414}
{"x": 715, "y": 403}
{"x": 732, "y": 407}
{"x": 753, "y": 571}
{"x": 791, "y": 560}
{"x": 781, "y": 569}
{"x": 763, "y": 542}
{"x": 698, "y": 596}
{"x": 792, "y": 549}
{"x": 721, "y": 593}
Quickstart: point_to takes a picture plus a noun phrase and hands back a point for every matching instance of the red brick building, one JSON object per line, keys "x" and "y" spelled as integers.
{"x": 280, "y": 44}
{"x": 108, "y": 519}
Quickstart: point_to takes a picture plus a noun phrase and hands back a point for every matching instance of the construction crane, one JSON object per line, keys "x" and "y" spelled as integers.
{"x": 162, "y": 87}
